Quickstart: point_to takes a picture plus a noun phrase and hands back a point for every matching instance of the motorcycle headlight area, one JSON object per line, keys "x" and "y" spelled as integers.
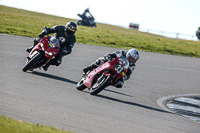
{"x": 48, "y": 53}
{"x": 42, "y": 46}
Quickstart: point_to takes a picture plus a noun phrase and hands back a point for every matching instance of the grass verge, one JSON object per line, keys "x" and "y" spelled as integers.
{"x": 26, "y": 23}
{"x": 8, "y": 125}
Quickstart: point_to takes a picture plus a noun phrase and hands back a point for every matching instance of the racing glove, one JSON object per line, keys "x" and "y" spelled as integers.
{"x": 65, "y": 51}
{"x": 108, "y": 58}
{"x": 41, "y": 35}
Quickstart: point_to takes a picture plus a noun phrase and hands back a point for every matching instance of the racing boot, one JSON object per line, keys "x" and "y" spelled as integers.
{"x": 86, "y": 69}
{"x": 35, "y": 42}
{"x": 45, "y": 67}
{"x": 89, "y": 68}
{"x": 29, "y": 49}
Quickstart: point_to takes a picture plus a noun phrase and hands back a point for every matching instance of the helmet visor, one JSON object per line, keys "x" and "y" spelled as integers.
{"x": 131, "y": 59}
{"x": 69, "y": 33}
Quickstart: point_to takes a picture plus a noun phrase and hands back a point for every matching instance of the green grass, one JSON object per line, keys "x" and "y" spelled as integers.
{"x": 25, "y": 23}
{"x": 8, "y": 125}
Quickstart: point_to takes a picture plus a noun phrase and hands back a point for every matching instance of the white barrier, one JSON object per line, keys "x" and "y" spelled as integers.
{"x": 171, "y": 34}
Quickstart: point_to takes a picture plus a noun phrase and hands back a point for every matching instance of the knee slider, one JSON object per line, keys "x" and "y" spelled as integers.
{"x": 119, "y": 84}
{"x": 58, "y": 62}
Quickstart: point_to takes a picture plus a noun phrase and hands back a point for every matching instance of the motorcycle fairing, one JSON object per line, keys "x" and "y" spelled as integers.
{"x": 90, "y": 77}
{"x": 44, "y": 50}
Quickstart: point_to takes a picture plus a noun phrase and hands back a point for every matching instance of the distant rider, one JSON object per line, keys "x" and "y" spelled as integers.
{"x": 84, "y": 13}
{"x": 132, "y": 56}
{"x": 87, "y": 19}
{"x": 198, "y": 33}
{"x": 66, "y": 37}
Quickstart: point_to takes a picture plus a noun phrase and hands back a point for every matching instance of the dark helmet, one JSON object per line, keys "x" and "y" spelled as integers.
{"x": 70, "y": 28}
{"x": 87, "y": 10}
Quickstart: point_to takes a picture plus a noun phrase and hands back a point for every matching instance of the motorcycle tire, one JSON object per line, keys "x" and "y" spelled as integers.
{"x": 32, "y": 62}
{"x": 94, "y": 25}
{"x": 80, "y": 85}
{"x": 79, "y": 22}
{"x": 99, "y": 86}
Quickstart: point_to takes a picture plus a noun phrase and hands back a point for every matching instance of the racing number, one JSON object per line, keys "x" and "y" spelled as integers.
{"x": 118, "y": 68}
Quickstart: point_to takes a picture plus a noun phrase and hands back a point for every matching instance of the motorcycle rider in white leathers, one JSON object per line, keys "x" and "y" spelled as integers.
{"x": 132, "y": 56}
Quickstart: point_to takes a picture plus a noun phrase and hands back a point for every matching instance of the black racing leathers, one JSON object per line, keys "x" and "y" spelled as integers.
{"x": 66, "y": 43}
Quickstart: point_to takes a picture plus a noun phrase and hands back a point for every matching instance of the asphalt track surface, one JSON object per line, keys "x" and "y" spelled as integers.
{"x": 50, "y": 98}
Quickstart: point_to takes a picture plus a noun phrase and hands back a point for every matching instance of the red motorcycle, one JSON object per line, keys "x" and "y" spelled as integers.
{"x": 104, "y": 75}
{"x": 42, "y": 53}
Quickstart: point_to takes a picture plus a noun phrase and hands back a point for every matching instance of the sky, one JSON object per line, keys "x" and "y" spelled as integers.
{"x": 164, "y": 17}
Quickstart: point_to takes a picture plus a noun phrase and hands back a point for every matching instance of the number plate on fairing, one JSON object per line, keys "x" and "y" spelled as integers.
{"x": 119, "y": 68}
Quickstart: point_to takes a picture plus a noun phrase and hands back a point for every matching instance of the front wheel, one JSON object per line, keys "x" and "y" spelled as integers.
{"x": 32, "y": 62}
{"x": 79, "y": 22}
{"x": 80, "y": 85}
{"x": 100, "y": 84}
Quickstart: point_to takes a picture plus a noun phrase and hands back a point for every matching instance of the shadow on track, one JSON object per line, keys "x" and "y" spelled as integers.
{"x": 54, "y": 77}
{"x": 133, "y": 104}
{"x": 118, "y": 92}
{"x": 86, "y": 91}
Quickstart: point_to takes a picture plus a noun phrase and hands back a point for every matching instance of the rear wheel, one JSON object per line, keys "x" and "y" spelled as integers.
{"x": 32, "y": 62}
{"x": 101, "y": 84}
{"x": 94, "y": 25}
{"x": 80, "y": 85}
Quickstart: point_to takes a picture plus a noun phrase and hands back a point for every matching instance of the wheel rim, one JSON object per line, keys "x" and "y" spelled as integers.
{"x": 98, "y": 83}
{"x": 81, "y": 82}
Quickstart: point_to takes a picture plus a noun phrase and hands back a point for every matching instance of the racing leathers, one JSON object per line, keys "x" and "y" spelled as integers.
{"x": 66, "y": 44}
{"x": 87, "y": 17}
{"x": 119, "y": 83}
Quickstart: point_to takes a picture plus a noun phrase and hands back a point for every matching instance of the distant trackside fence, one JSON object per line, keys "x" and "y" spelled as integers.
{"x": 171, "y": 34}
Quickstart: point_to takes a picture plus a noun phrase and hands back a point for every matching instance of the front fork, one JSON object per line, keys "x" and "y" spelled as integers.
{"x": 34, "y": 53}
{"x": 103, "y": 75}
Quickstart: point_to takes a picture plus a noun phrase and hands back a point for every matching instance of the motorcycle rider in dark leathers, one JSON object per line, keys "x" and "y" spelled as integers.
{"x": 132, "y": 56}
{"x": 84, "y": 14}
{"x": 87, "y": 19}
{"x": 66, "y": 37}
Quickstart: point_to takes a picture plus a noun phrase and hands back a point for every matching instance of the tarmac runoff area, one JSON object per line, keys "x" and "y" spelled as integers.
{"x": 184, "y": 105}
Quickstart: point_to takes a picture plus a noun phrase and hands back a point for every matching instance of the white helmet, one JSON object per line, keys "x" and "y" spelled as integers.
{"x": 132, "y": 55}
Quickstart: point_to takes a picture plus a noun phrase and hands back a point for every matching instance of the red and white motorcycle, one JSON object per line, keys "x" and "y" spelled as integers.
{"x": 104, "y": 75}
{"x": 42, "y": 53}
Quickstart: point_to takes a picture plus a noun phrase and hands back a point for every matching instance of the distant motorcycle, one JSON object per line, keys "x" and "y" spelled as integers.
{"x": 42, "y": 53}
{"x": 104, "y": 75}
{"x": 87, "y": 20}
